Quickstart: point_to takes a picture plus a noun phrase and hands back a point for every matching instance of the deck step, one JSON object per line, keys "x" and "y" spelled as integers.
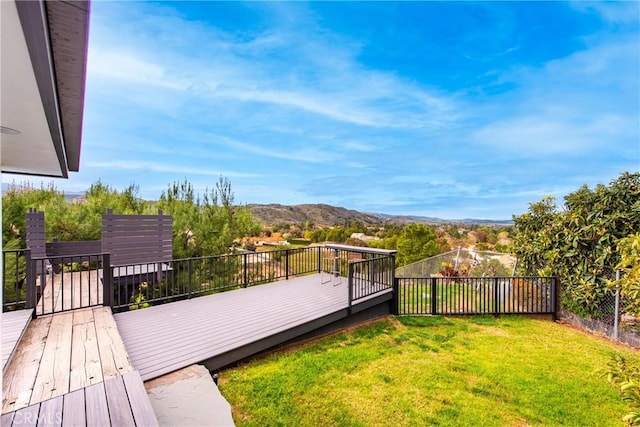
{"x": 14, "y": 324}
{"x": 117, "y": 401}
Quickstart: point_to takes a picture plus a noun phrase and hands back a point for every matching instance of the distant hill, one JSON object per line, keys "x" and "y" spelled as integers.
{"x": 327, "y": 215}
{"x": 319, "y": 214}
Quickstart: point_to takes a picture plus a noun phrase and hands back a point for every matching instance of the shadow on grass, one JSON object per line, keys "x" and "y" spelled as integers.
{"x": 424, "y": 321}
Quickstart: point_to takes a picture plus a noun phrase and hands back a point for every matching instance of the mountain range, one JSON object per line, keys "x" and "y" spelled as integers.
{"x": 321, "y": 214}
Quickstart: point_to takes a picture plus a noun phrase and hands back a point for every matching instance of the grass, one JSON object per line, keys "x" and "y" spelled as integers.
{"x": 412, "y": 371}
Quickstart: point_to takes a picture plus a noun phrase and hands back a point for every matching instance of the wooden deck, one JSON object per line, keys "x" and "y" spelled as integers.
{"x": 71, "y": 290}
{"x": 223, "y": 328}
{"x": 14, "y": 324}
{"x": 61, "y": 353}
{"x": 118, "y": 401}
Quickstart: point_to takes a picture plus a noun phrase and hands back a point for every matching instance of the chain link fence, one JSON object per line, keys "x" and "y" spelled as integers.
{"x": 474, "y": 263}
{"x": 610, "y": 318}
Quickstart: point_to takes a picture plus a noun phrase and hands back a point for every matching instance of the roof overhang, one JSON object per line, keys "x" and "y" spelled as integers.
{"x": 43, "y": 69}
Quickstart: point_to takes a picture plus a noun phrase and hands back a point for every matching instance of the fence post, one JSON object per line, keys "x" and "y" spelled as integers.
{"x": 496, "y": 298}
{"x": 557, "y": 300}
{"x": 107, "y": 281}
{"x": 286, "y": 264}
{"x": 434, "y": 296}
{"x": 395, "y": 309}
{"x": 31, "y": 280}
{"x": 617, "y": 307}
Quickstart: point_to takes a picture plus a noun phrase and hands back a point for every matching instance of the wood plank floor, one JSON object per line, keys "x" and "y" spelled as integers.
{"x": 118, "y": 401}
{"x": 14, "y": 324}
{"x": 164, "y": 338}
{"x": 70, "y": 290}
{"x": 61, "y": 353}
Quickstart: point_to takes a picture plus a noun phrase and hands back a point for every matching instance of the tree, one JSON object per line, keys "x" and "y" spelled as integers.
{"x": 206, "y": 226}
{"x": 416, "y": 242}
{"x": 579, "y": 243}
{"x": 16, "y": 203}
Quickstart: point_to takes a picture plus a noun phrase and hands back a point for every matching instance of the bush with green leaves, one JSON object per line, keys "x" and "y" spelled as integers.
{"x": 629, "y": 282}
{"x": 626, "y": 376}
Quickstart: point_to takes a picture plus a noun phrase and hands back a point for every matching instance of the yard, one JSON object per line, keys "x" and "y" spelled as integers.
{"x": 410, "y": 371}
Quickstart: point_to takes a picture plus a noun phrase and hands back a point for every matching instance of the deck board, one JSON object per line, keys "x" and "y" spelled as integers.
{"x": 182, "y": 333}
{"x": 119, "y": 401}
{"x": 53, "y": 373}
{"x": 14, "y": 325}
{"x": 20, "y": 374}
{"x": 70, "y": 291}
{"x": 61, "y": 353}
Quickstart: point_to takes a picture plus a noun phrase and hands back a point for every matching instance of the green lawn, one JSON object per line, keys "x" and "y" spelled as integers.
{"x": 412, "y": 371}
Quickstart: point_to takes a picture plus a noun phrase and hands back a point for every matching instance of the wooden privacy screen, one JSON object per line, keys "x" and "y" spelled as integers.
{"x": 35, "y": 235}
{"x": 132, "y": 239}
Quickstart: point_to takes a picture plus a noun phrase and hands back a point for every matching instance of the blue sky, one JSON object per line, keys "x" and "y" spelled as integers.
{"x": 454, "y": 110}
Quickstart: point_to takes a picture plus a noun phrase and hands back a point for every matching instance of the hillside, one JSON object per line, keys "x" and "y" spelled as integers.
{"x": 318, "y": 214}
{"x": 326, "y": 215}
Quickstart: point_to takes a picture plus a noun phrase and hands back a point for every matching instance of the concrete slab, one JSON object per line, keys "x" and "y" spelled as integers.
{"x": 189, "y": 397}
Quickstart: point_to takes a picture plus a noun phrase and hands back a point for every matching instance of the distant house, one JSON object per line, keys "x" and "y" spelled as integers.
{"x": 363, "y": 237}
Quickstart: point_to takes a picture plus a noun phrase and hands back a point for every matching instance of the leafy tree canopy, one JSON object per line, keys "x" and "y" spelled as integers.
{"x": 416, "y": 242}
{"x": 207, "y": 225}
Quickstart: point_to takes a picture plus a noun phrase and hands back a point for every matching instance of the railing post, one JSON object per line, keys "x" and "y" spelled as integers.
{"x": 434, "y": 296}
{"x": 372, "y": 273}
{"x": 31, "y": 280}
{"x": 286, "y": 264}
{"x": 319, "y": 259}
{"x": 189, "y": 287}
{"x": 245, "y": 265}
{"x": 107, "y": 281}
{"x": 350, "y": 284}
{"x": 496, "y": 297}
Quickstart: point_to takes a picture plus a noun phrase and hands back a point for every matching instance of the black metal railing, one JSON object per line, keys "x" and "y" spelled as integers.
{"x": 51, "y": 284}
{"x": 61, "y": 283}
{"x": 476, "y": 295}
{"x": 64, "y": 283}
{"x": 369, "y": 277}
{"x": 140, "y": 285}
{"x": 14, "y": 295}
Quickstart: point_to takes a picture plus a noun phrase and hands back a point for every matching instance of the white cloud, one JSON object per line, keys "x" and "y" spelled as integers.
{"x": 571, "y": 106}
{"x": 619, "y": 12}
{"x": 304, "y": 69}
{"x": 129, "y": 66}
{"x": 165, "y": 167}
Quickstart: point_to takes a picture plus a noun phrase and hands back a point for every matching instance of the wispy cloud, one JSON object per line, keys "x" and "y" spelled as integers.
{"x": 374, "y": 106}
{"x": 165, "y": 167}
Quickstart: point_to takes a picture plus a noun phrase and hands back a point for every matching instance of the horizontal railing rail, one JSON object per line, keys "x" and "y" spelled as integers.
{"x": 476, "y": 295}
